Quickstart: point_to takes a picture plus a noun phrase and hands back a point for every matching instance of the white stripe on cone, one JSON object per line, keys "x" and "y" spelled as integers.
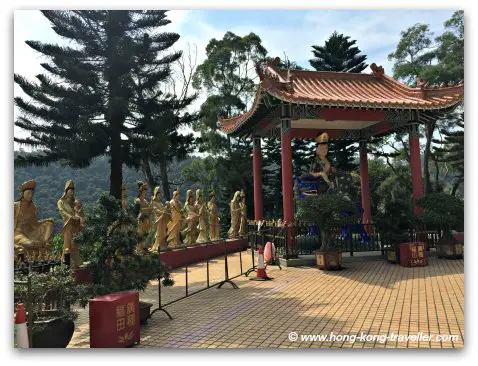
{"x": 21, "y": 328}
{"x": 261, "y": 272}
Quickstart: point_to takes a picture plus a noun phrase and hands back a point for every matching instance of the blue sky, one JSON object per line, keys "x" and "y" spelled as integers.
{"x": 290, "y": 31}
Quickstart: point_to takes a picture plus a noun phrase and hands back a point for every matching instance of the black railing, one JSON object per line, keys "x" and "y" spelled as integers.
{"x": 307, "y": 238}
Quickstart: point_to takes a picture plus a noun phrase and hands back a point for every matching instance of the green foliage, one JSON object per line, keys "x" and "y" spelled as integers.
{"x": 444, "y": 210}
{"x": 58, "y": 285}
{"x": 338, "y": 54}
{"x": 102, "y": 86}
{"x": 330, "y": 212}
{"x": 115, "y": 264}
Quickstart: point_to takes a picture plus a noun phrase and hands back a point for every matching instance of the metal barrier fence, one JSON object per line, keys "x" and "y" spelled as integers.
{"x": 245, "y": 268}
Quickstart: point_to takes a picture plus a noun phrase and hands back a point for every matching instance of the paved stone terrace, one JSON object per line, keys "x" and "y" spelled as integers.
{"x": 370, "y": 296}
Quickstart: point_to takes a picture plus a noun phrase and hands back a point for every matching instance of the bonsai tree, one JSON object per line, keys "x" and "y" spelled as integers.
{"x": 115, "y": 264}
{"x": 331, "y": 212}
{"x": 444, "y": 210}
{"x": 49, "y": 303}
{"x": 394, "y": 222}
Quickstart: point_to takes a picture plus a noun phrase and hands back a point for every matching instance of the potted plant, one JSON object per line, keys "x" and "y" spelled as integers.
{"x": 447, "y": 212}
{"x": 393, "y": 223}
{"x": 331, "y": 212}
{"x": 49, "y": 304}
{"x": 115, "y": 264}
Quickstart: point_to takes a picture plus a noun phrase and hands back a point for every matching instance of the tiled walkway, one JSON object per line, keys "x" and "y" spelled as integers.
{"x": 370, "y": 297}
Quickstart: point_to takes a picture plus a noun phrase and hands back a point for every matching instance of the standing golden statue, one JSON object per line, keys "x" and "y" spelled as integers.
{"x": 243, "y": 224}
{"x": 235, "y": 216}
{"x": 124, "y": 202}
{"x": 213, "y": 217}
{"x": 192, "y": 218}
{"x": 72, "y": 224}
{"x": 161, "y": 221}
{"x": 30, "y": 236}
{"x": 145, "y": 222}
{"x": 201, "y": 209}
{"x": 174, "y": 226}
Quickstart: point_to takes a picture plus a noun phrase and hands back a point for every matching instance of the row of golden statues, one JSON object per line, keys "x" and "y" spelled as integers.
{"x": 191, "y": 222}
{"x": 33, "y": 237}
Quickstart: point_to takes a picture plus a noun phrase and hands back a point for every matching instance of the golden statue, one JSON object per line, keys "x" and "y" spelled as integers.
{"x": 235, "y": 216}
{"x": 124, "y": 201}
{"x": 192, "y": 218}
{"x": 145, "y": 223}
{"x": 243, "y": 206}
{"x": 72, "y": 224}
{"x": 213, "y": 217}
{"x": 201, "y": 210}
{"x": 174, "y": 226}
{"x": 161, "y": 222}
{"x": 30, "y": 236}
{"x": 322, "y": 167}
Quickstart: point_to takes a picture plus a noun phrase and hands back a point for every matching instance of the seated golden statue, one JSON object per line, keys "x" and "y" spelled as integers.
{"x": 31, "y": 237}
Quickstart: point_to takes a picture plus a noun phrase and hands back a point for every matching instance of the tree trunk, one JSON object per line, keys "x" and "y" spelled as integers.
{"x": 147, "y": 172}
{"x": 116, "y": 166}
{"x": 163, "y": 166}
{"x": 429, "y": 129}
{"x": 455, "y": 188}
{"x": 437, "y": 175}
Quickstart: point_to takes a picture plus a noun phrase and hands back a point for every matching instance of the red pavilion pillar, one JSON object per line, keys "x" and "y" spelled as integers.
{"x": 287, "y": 179}
{"x": 364, "y": 183}
{"x": 257, "y": 175}
{"x": 416, "y": 165}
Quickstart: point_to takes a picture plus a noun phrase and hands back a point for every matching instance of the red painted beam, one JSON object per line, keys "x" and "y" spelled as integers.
{"x": 332, "y": 114}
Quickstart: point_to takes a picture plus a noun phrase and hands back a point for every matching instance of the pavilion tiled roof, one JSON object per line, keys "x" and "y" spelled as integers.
{"x": 340, "y": 89}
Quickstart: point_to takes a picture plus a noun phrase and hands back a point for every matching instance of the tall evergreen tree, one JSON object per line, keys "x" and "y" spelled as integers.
{"x": 340, "y": 54}
{"x": 451, "y": 149}
{"x": 88, "y": 103}
{"x": 272, "y": 178}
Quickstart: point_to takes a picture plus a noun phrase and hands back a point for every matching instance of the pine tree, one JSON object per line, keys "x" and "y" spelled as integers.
{"x": 452, "y": 150}
{"x": 303, "y": 153}
{"x": 341, "y": 55}
{"x": 272, "y": 178}
{"x": 91, "y": 101}
{"x": 338, "y": 54}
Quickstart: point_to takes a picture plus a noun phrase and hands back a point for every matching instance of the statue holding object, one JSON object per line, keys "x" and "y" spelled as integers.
{"x": 161, "y": 221}
{"x": 174, "y": 225}
{"x": 30, "y": 236}
{"x": 192, "y": 219}
{"x": 213, "y": 217}
{"x": 243, "y": 224}
{"x": 235, "y": 208}
{"x": 201, "y": 210}
{"x": 72, "y": 224}
{"x": 145, "y": 222}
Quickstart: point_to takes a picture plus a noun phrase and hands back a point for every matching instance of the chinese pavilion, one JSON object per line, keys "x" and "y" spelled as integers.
{"x": 348, "y": 106}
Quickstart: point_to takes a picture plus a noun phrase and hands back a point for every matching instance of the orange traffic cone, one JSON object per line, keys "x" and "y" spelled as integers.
{"x": 21, "y": 327}
{"x": 261, "y": 271}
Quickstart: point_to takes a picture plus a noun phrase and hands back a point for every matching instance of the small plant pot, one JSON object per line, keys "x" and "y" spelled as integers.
{"x": 392, "y": 254}
{"x": 144, "y": 311}
{"x": 54, "y": 333}
{"x": 450, "y": 250}
{"x": 83, "y": 275}
{"x": 329, "y": 261}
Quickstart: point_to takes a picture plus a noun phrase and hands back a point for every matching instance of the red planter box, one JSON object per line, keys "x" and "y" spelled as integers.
{"x": 413, "y": 254}
{"x": 180, "y": 257}
{"x": 114, "y": 320}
